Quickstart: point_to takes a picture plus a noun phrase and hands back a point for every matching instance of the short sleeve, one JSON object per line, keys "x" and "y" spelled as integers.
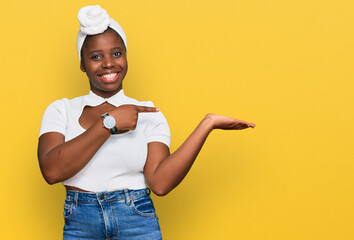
{"x": 54, "y": 118}
{"x": 158, "y": 129}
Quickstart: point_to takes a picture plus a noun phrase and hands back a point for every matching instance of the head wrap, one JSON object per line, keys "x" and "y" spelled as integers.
{"x": 95, "y": 20}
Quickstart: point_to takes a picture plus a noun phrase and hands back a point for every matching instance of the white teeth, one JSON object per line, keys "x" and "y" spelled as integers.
{"x": 112, "y": 75}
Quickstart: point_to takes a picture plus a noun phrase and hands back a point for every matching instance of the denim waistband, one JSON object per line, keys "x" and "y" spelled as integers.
{"x": 125, "y": 194}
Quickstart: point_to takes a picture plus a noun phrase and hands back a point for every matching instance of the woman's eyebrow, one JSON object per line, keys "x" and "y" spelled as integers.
{"x": 119, "y": 48}
{"x": 95, "y": 51}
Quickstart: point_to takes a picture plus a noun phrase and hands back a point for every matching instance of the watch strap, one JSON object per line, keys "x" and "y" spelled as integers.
{"x": 104, "y": 115}
{"x": 113, "y": 130}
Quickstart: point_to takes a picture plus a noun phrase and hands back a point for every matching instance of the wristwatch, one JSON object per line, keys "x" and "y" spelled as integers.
{"x": 109, "y": 122}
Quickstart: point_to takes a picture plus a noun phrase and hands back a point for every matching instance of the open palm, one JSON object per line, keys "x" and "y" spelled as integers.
{"x": 227, "y": 123}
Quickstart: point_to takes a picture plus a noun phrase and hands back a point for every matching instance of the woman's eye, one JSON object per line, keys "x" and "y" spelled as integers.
{"x": 95, "y": 57}
{"x": 116, "y": 54}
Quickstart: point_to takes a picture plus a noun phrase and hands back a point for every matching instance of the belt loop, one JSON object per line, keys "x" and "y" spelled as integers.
{"x": 75, "y": 198}
{"x": 127, "y": 197}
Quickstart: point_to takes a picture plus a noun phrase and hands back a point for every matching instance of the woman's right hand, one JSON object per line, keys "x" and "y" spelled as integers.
{"x": 127, "y": 115}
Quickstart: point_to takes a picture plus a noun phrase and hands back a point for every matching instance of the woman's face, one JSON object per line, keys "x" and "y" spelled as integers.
{"x": 105, "y": 62}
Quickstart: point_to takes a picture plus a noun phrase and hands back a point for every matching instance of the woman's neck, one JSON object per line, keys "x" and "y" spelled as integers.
{"x": 105, "y": 94}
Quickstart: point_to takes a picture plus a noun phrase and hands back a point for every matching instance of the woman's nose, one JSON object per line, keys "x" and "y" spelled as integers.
{"x": 108, "y": 62}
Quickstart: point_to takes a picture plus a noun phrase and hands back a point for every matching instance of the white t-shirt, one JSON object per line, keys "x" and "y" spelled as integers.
{"x": 119, "y": 163}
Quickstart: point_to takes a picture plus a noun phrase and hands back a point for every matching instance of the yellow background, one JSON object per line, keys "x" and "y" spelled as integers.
{"x": 285, "y": 65}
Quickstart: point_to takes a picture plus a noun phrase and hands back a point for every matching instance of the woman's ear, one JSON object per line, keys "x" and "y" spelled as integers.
{"x": 82, "y": 67}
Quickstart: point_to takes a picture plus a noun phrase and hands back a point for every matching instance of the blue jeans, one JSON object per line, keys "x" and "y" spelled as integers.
{"x": 125, "y": 214}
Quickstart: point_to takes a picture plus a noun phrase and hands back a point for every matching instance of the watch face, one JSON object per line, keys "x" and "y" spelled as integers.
{"x": 109, "y": 122}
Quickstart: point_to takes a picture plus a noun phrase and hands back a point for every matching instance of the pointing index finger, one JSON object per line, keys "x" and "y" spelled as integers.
{"x": 147, "y": 109}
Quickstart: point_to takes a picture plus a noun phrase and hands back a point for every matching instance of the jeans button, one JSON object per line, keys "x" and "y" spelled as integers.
{"x": 102, "y": 197}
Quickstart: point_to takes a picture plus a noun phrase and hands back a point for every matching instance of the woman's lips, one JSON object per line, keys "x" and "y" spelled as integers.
{"x": 111, "y": 77}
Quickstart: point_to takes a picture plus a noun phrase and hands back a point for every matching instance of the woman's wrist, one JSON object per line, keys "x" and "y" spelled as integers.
{"x": 100, "y": 129}
{"x": 208, "y": 122}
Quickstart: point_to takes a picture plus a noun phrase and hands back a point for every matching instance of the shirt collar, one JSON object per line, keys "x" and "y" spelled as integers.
{"x": 94, "y": 100}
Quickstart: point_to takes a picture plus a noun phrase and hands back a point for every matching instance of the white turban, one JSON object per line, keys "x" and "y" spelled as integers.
{"x": 94, "y": 20}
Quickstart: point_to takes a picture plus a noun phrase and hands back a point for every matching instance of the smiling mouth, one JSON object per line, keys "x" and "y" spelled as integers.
{"x": 109, "y": 77}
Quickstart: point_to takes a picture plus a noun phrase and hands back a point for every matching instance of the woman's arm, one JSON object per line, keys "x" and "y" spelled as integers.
{"x": 163, "y": 171}
{"x": 60, "y": 160}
